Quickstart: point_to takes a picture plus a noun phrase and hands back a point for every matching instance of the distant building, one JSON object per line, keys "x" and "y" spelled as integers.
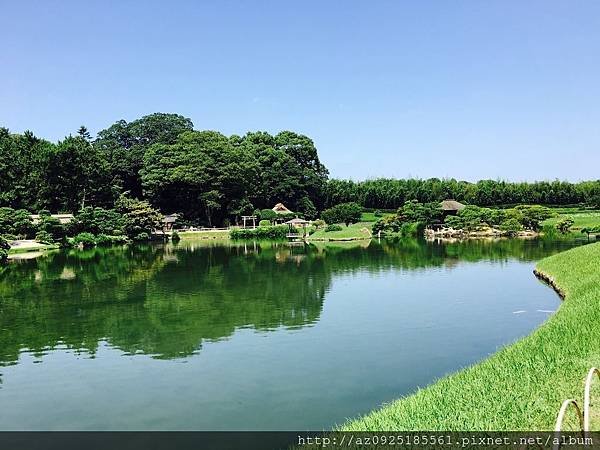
{"x": 280, "y": 208}
{"x": 62, "y": 218}
{"x": 169, "y": 222}
{"x": 451, "y": 207}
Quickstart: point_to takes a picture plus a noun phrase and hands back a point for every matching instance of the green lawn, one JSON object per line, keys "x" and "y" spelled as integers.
{"x": 583, "y": 218}
{"x": 217, "y": 234}
{"x": 522, "y": 386}
{"x": 371, "y": 217}
{"x": 361, "y": 230}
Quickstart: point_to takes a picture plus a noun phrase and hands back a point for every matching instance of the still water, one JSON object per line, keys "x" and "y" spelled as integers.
{"x": 256, "y": 336}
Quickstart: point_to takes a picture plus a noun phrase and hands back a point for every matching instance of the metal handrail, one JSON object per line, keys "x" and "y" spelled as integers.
{"x": 561, "y": 416}
{"x": 563, "y": 410}
{"x": 586, "y": 398}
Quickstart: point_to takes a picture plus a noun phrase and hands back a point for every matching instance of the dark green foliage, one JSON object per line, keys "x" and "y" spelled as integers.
{"x": 392, "y": 193}
{"x": 4, "y": 248}
{"x": 44, "y": 237}
{"x": 307, "y": 209}
{"x": 264, "y": 223}
{"x": 267, "y": 214}
{"x": 50, "y": 229}
{"x": 98, "y": 221}
{"x": 139, "y": 218}
{"x": 16, "y": 222}
{"x": 333, "y": 227}
{"x": 346, "y": 213}
{"x": 564, "y": 225}
{"x": 272, "y": 232}
{"x": 124, "y": 145}
{"x": 175, "y": 236}
{"x": 85, "y": 240}
{"x": 531, "y": 217}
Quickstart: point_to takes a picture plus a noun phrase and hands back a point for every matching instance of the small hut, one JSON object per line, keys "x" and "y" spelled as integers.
{"x": 169, "y": 222}
{"x": 294, "y": 224}
{"x": 451, "y": 207}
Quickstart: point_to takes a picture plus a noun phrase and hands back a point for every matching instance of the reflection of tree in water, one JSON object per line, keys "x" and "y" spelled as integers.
{"x": 165, "y": 301}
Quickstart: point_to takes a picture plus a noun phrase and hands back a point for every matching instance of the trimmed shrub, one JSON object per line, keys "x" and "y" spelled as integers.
{"x": 264, "y": 223}
{"x": 44, "y": 237}
{"x": 511, "y": 227}
{"x": 85, "y": 240}
{"x": 104, "y": 239}
{"x": 333, "y": 227}
{"x": 272, "y": 232}
{"x": 175, "y": 236}
{"x": 141, "y": 237}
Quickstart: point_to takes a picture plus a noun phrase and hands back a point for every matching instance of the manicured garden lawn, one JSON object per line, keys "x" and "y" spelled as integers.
{"x": 371, "y": 217}
{"x": 217, "y": 234}
{"x": 522, "y": 386}
{"x": 583, "y": 218}
{"x": 360, "y": 230}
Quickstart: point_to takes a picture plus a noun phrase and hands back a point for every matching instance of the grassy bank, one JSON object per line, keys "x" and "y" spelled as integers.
{"x": 582, "y": 218}
{"x": 522, "y": 386}
{"x": 355, "y": 231}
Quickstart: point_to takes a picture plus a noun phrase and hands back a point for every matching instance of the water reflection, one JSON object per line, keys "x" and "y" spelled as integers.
{"x": 165, "y": 301}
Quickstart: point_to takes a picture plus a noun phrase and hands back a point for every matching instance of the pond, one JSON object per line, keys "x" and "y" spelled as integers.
{"x": 253, "y": 336}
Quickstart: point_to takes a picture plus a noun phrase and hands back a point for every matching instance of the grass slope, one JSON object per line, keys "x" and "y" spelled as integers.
{"x": 354, "y": 231}
{"x": 522, "y": 386}
{"x": 582, "y": 218}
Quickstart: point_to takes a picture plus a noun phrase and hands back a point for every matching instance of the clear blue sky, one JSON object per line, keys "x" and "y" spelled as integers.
{"x": 464, "y": 89}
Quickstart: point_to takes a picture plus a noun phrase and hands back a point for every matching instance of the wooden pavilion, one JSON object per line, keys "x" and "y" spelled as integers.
{"x": 451, "y": 207}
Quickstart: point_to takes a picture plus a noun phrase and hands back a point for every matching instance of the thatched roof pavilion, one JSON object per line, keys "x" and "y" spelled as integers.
{"x": 297, "y": 222}
{"x": 280, "y": 208}
{"x": 451, "y": 206}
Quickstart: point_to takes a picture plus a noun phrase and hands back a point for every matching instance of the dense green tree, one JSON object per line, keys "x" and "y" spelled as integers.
{"x": 124, "y": 145}
{"x": 140, "y": 219}
{"x": 346, "y": 213}
{"x": 75, "y": 175}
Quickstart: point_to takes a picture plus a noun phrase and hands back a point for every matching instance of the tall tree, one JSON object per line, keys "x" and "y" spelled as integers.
{"x": 125, "y": 144}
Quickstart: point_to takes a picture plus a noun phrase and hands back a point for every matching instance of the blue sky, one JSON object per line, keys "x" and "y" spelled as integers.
{"x": 464, "y": 89}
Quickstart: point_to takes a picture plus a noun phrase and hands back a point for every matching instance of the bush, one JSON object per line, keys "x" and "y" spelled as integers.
{"x": 319, "y": 223}
{"x": 264, "y": 223}
{"x": 564, "y": 225}
{"x": 140, "y": 237}
{"x": 175, "y": 236}
{"x": 44, "y": 237}
{"x": 272, "y": 232}
{"x": 511, "y": 227}
{"x": 85, "y": 240}
{"x": 104, "y": 239}
{"x": 333, "y": 227}
{"x": 377, "y": 213}
{"x": 4, "y": 248}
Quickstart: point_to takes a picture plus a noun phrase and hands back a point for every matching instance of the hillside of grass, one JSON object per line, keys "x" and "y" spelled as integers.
{"x": 522, "y": 386}
{"x": 355, "y": 231}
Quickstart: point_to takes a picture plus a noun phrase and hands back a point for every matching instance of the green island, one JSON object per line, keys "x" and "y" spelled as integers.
{"x": 521, "y": 386}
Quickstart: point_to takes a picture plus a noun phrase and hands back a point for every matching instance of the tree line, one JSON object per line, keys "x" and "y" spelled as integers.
{"x": 385, "y": 193}
{"x": 213, "y": 179}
